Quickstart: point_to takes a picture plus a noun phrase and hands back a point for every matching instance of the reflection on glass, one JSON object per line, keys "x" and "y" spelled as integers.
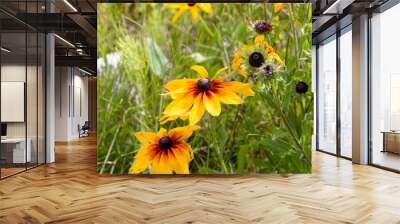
{"x": 31, "y": 100}
{"x": 385, "y": 84}
{"x": 22, "y": 90}
{"x": 327, "y": 97}
{"x": 15, "y": 151}
{"x": 41, "y": 98}
{"x": 346, "y": 94}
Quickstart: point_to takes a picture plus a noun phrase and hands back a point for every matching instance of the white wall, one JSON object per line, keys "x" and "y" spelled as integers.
{"x": 62, "y": 81}
{"x": 71, "y": 94}
{"x": 12, "y": 73}
{"x": 33, "y": 127}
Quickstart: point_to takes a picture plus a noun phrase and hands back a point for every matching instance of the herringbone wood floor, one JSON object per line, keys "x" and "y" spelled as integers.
{"x": 70, "y": 191}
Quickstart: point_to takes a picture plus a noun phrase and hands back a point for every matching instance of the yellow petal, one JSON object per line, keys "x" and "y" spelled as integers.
{"x": 179, "y": 164}
{"x": 180, "y": 105}
{"x": 242, "y": 72}
{"x": 184, "y": 117}
{"x": 162, "y": 132}
{"x": 200, "y": 70}
{"x": 259, "y": 39}
{"x": 238, "y": 87}
{"x": 179, "y": 84}
{"x": 221, "y": 70}
{"x": 182, "y": 133}
{"x": 228, "y": 97}
{"x": 278, "y": 7}
{"x": 165, "y": 118}
{"x": 195, "y": 13}
{"x": 235, "y": 64}
{"x": 174, "y": 5}
{"x": 184, "y": 151}
{"x": 178, "y": 93}
{"x": 145, "y": 138}
{"x": 206, "y": 7}
{"x": 278, "y": 59}
{"x": 236, "y": 59}
{"x": 211, "y": 103}
{"x": 178, "y": 14}
{"x": 142, "y": 160}
{"x": 162, "y": 166}
{"x": 155, "y": 165}
{"x": 139, "y": 165}
{"x": 198, "y": 109}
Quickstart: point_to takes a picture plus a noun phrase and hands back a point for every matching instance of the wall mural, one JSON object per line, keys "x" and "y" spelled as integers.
{"x": 200, "y": 88}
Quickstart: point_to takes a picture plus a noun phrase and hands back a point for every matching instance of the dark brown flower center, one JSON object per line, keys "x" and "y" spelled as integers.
{"x": 191, "y": 4}
{"x": 204, "y": 84}
{"x": 262, "y": 27}
{"x": 165, "y": 143}
{"x": 256, "y": 59}
{"x": 301, "y": 87}
{"x": 268, "y": 70}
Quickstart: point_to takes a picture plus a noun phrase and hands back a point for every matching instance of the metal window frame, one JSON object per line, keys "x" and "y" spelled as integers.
{"x": 339, "y": 32}
{"x": 387, "y": 5}
{"x": 381, "y": 9}
{"x": 44, "y": 75}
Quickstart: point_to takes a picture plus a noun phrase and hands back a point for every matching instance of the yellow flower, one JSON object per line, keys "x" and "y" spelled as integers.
{"x": 192, "y": 97}
{"x": 278, "y": 7}
{"x": 254, "y": 56}
{"x": 192, "y": 7}
{"x": 165, "y": 152}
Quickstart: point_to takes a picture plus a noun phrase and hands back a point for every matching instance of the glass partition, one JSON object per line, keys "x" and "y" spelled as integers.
{"x": 346, "y": 93}
{"x": 22, "y": 101}
{"x": 327, "y": 96}
{"x": 41, "y": 91}
{"x": 385, "y": 89}
{"x": 32, "y": 95}
{"x": 14, "y": 153}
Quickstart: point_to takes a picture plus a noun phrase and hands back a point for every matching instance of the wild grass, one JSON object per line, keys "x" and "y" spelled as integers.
{"x": 270, "y": 133}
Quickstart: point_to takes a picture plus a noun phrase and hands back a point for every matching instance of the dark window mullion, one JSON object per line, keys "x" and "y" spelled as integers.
{"x": 338, "y": 73}
{"x": 317, "y": 97}
{"x": 26, "y": 86}
{"x": 0, "y": 98}
{"x": 37, "y": 91}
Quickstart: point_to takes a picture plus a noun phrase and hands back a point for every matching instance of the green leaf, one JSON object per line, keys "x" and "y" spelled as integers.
{"x": 157, "y": 60}
{"x": 241, "y": 159}
{"x": 198, "y": 58}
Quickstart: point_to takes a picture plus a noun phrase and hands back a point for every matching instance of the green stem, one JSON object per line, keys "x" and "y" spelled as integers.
{"x": 208, "y": 30}
{"x": 288, "y": 126}
{"x": 294, "y": 31}
{"x": 217, "y": 148}
{"x": 109, "y": 150}
{"x": 231, "y": 139}
{"x": 221, "y": 160}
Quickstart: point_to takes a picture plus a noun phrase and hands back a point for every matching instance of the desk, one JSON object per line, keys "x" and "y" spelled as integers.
{"x": 13, "y": 150}
{"x": 391, "y": 141}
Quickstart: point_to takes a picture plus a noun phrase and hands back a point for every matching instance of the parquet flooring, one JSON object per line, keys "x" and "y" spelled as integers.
{"x": 70, "y": 191}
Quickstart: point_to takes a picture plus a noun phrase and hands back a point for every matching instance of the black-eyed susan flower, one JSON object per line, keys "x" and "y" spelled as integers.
{"x": 261, "y": 26}
{"x": 192, "y": 97}
{"x": 278, "y": 7}
{"x": 165, "y": 152}
{"x": 250, "y": 58}
{"x": 268, "y": 70}
{"x": 301, "y": 87}
{"x": 193, "y": 8}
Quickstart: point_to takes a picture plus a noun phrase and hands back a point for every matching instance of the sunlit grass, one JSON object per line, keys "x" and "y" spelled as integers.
{"x": 269, "y": 133}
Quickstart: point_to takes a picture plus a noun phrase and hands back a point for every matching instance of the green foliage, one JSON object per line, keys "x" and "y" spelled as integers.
{"x": 270, "y": 133}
